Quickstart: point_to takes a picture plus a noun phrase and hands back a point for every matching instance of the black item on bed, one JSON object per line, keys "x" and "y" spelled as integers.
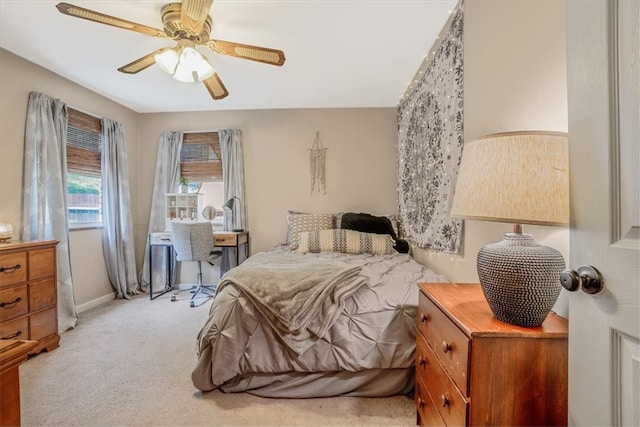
{"x": 368, "y": 223}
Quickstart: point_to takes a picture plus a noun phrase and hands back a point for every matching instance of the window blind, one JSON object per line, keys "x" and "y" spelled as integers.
{"x": 200, "y": 158}
{"x": 84, "y": 143}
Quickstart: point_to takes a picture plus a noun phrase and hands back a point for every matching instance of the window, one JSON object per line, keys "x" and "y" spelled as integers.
{"x": 200, "y": 159}
{"x": 84, "y": 181}
{"x": 201, "y": 164}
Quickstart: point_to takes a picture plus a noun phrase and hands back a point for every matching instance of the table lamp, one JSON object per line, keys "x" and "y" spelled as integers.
{"x": 519, "y": 178}
{"x": 230, "y": 206}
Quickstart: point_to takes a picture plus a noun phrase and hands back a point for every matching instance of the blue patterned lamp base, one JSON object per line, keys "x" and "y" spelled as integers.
{"x": 520, "y": 279}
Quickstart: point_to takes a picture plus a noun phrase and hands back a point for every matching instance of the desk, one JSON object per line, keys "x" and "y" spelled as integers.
{"x": 238, "y": 240}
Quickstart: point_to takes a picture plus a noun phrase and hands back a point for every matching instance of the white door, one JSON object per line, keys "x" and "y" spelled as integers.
{"x": 603, "y": 54}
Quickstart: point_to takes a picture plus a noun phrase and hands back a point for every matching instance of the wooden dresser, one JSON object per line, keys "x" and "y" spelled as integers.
{"x": 472, "y": 369}
{"x": 28, "y": 293}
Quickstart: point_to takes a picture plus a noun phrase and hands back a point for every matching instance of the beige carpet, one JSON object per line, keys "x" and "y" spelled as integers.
{"x": 128, "y": 363}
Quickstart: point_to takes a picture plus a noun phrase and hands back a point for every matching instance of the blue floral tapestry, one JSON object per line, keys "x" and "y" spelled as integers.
{"x": 430, "y": 142}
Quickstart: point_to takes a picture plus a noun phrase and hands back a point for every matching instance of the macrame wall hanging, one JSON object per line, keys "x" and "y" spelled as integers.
{"x": 317, "y": 159}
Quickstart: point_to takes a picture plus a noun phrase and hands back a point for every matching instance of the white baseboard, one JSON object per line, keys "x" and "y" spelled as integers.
{"x": 96, "y": 302}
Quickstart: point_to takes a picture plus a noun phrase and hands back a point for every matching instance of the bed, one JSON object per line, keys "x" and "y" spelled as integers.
{"x": 330, "y": 313}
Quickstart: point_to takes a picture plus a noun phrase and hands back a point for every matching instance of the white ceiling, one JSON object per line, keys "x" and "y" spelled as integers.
{"x": 339, "y": 53}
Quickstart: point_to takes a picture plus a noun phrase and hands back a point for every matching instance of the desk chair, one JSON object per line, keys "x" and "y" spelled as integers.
{"x": 194, "y": 242}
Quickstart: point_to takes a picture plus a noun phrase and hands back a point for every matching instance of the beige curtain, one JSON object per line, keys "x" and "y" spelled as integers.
{"x": 117, "y": 228}
{"x": 233, "y": 177}
{"x": 166, "y": 179}
{"x": 44, "y": 213}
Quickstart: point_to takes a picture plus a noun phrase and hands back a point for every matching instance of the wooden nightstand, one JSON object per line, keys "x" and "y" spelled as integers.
{"x": 472, "y": 369}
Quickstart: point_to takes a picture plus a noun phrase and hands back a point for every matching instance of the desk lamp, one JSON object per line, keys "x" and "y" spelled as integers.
{"x": 519, "y": 178}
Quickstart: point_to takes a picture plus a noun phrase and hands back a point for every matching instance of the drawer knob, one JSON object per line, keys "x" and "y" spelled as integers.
{"x": 421, "y": 403}
{"x": 424, "y": 318}
{"x": 445, "y": 400}
{"x": 446, "y": 347}
{"x": 423, "y": 361}
{"x": 10, "y": 304}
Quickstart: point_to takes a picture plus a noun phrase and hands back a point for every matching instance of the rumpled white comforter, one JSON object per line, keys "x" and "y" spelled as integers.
{"x": 375, "y": 328}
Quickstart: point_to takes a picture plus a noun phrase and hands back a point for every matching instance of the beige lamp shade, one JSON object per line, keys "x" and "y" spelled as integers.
{"x": 515, "y": 177}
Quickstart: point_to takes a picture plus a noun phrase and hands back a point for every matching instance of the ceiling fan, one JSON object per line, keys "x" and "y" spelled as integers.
{"x": 189, "y": 24}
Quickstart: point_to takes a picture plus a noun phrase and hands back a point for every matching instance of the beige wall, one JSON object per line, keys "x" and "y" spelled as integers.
{"x": 18, "y": 77}
{"x": 514, "y": 79}
{"x": 361, "y": 162}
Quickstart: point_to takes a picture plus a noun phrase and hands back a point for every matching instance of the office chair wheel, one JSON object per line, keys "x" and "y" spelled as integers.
{"x": 173, "y": 298}
{"x": 192, "y": 304}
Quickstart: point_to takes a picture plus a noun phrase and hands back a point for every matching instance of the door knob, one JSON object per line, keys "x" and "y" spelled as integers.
{"x": 586, "y": 277}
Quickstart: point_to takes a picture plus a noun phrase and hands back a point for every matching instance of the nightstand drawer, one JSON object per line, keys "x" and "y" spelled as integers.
{"x": 451, "y": 404}
{"x": 449, "y": 343}
{"x": 427, "y": 411}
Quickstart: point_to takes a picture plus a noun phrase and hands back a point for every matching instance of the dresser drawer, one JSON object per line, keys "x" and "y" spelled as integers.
{"x": 43, "y": 324}
{"x": 451, "y": 404}
{"x": 449, "y": 343}
{"x": 429, "y": 415}
{"x": 13, "y": 302}
{"x": 15, "y": 329}
{"x": 13, "y": 268}
{"x": 42, "y": 263}
{"x": 42, "y": 294}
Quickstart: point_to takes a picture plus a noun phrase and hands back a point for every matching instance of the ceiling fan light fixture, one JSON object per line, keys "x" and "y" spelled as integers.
{"x": 167, "y": 61}
{"x": 185, "y": 64}
{"x": 196, "y": 64}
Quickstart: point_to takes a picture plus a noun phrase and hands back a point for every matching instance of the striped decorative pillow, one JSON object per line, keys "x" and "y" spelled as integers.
{"x": 345, "y": 241}
{"x": 306, "y": 222}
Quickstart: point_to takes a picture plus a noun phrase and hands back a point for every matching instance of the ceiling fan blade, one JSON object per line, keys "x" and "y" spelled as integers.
{"x": 142, "y": 63}
{"x": 91, "y": 15}
{"x": 246, "y": 51}
{"x": 215, "y": 87}
{"x": 193, "y": 13}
